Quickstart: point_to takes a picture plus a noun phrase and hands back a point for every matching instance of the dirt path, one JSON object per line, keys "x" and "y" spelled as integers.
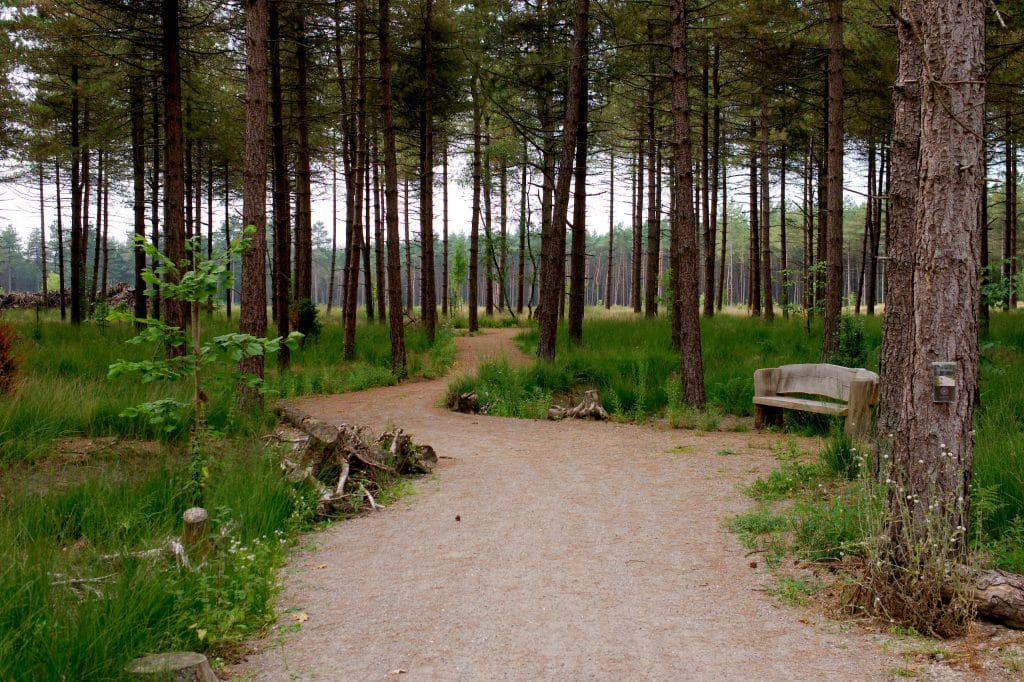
{"x": 548, "y": 551}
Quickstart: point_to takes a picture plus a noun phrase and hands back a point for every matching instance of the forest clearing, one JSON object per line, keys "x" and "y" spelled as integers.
{"x": 553, "y": 340}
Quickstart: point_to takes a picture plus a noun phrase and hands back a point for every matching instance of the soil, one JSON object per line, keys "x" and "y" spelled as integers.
{"x": 552, "y": 550}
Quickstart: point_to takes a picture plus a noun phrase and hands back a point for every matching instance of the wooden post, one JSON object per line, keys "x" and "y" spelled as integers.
{"x": 858, "y": 416}
{"x": 180, "y": 666}
{"x": 195, "y": 537}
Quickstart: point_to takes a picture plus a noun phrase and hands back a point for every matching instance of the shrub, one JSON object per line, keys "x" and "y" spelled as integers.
{"x": 307, "y": 320}
{"x": 851, "y": 344}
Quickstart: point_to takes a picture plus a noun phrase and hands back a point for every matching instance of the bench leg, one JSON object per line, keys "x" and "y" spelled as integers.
{"x": 767, "y": 416}
{"x": 858, "y": 416}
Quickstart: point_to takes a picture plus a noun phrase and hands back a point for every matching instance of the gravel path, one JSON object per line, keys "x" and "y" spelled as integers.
{"x": 554, "y": 551}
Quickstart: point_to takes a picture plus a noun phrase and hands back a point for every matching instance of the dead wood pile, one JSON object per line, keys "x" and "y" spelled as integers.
{"x": 117, "y": 294}
{"x": 347, "y": 464}
{"x": 590, "y": 408}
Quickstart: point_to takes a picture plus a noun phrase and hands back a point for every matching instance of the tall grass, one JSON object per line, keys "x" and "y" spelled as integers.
{"x": 52, "y": 629}
{"x": 63, "y": 390}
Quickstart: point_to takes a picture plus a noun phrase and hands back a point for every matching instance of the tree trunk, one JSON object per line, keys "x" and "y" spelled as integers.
{"x": 254, "y": 192}
{"x": 444, "y": 234}
{"x": 408, "y": 247}
{"x": 692, "y": 368}
{"x": 488, "y": 231}
{"x": 354, "y": 245}
{"x": 754, "y": 252}
{"x": 765, "y": 241}
{"x": 303, "y": 190}
{"x": 60, "y": 242}
{"x": 98, "y": 245}
{"x": 611, "y": 232}
{"x": 937, "y": 302}
{"x": 155, "y": 194}
{"x": 367, "y": 229}
{"x": 834, "y": 222}
{"x": 783, "y": 247}
{"x": 653, "y": 191}
{"x": 474, "y": 230}
{"x": 552, "y": 276}
{"x": 428, "y": 296}
{"x": 523, "y": 225}
{"x": 175, "y": 312}
{"x": 229, "y": 293}
{"x": 281, "y": 191}
{"x": 638, "y": 226}
{"x": 397, "y": 323}
{"x": 578, "y": 247}
{"x": 876, "y": 233}
{"x": 378, "y": 226}
{"x": 710, "y": 234}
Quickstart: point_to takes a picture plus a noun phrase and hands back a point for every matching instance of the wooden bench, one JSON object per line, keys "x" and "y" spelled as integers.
{"x": 857, "y": 389}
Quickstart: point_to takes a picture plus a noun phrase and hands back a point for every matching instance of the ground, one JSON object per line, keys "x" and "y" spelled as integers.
{"x": 552, "y": 550}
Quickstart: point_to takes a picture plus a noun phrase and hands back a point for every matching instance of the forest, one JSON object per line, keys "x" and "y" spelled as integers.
{"x": 311, "y": 212}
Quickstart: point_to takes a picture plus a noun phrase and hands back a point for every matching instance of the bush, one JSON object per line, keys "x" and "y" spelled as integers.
{"x": 307, "y": 320}
{"x": 851, "y": 343}
{"x": 8, "y": 361}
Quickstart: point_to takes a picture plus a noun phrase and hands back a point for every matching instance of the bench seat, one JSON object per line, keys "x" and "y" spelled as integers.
{"x": 803, "y": 404}
{"x": 777, "y": 388}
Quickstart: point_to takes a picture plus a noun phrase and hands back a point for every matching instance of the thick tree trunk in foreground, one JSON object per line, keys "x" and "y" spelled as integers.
{"x": 552, "y": 274}
{"x": 254, "y": 191}
{"x": 303, "y": 190}
{"x": 934, "y": 306}
{"x": 578, "y": 247}
{"x": 354, "y": 244}
{"x": 395, "y": 320}
{"x": 692, "y": 367}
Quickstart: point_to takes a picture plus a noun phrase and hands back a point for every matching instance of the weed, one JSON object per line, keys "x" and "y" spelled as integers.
{"x": 795, "y": 591}
{"x": 725, "y": 452}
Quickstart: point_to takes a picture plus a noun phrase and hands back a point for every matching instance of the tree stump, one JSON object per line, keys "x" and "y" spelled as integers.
{"x": 999, "y": 597}
{"x": 179, "y": 666}
{"x": 196, "y": 536}
{"x": 590, "y": 408}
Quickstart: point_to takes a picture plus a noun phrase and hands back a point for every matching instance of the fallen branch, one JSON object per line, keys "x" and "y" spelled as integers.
{"x": 590, "y": 408}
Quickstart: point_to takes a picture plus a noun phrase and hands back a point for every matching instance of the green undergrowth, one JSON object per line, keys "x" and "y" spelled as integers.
{"x": 80, "y": 602}
{"x": 62, "y": 388}
{"x": 822, "y": 509}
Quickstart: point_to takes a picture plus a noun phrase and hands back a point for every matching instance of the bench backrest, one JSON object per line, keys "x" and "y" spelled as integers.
{"x": 832, "y": 381}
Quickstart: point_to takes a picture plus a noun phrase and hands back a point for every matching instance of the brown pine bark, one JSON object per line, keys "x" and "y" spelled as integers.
{"x": 378, "y": 227}
{"x": 611, "y": 232}
{"x": 154, "y": 191}
{"x": 653, "y": 192}
{"x": 303, "y": 191}
{"x": 638, "y": 226}
{"x": 60, "y": 242}
{"x": 444, "y": 228}
{"x": 523, "y": 224}
{"x": 175, "y": 312}
{"x": 354, "y": 245}
{"x": 720, "y": 294}
{"x": 937, "y": 294}
{"x": 834, "y": 222}
{"x": 710, "y": 234}
{"x": 578, "y": 247}
{"x": 876, "y": 234}
{"x": 42, "y": 229}
{"x": 230, "y": 293}
{"x": 474, "y": 229}
{"x": 281, "y": 194}
{"x": 254, "y": 200}
{"x": 783, "y": 247}
{"x": 754, "y": 252}
{"x": 428, "y": 295}
{"x": 552, "y": 274}
{"x": 764, "y": 238}
{"x": 367, "y": 229}
{"x": 692, "y": 367}
{"x": 397, "y": 323}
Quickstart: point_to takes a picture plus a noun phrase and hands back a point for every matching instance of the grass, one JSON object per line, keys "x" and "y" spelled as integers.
{"x": 77, "y": 604}
{"x": 63, "y": 390}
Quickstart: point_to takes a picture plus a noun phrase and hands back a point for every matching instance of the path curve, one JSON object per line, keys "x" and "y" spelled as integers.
{"x": 547, "y": 551}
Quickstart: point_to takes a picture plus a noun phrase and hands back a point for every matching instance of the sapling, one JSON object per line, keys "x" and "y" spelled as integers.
{"x": 193, "y": 282}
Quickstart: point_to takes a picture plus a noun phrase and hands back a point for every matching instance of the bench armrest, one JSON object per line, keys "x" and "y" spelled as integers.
{"x": 765, "y": 381}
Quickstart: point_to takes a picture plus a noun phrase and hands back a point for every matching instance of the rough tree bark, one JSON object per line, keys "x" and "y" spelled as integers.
{"x": 428, "y": 295}
{"x": 578, "y": 247}
{"x": 933, "y": 304}
{"x": 397, "y": 324}
{"x": 254, "y": 191}
{"x": 281, "y": 190}
{"x": 692, "y": 368}
{"x": 552, "y": 274}
{"x": 834, "y": 222}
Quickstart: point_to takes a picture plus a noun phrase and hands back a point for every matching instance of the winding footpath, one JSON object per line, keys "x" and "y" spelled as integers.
{"x": 547, "y": 551}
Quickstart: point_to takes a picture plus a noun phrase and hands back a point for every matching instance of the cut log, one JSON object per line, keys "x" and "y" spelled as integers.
{"x": 999, "y": 596}
{"x": 463, "y": 402}
{"x": 344, "y": 463}
{"x": 179, "y": 666}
